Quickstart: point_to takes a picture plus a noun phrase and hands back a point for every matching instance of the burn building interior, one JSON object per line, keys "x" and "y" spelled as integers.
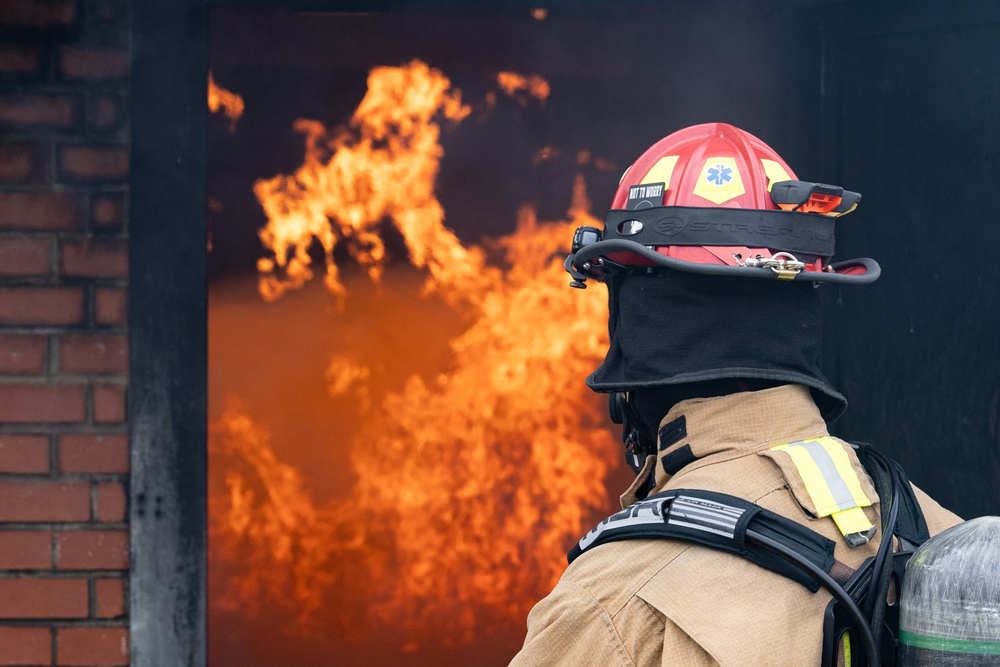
{"x": 898, "y": 101}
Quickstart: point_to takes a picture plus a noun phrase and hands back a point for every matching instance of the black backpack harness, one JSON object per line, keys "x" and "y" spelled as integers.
{"x": 859, "y": 610}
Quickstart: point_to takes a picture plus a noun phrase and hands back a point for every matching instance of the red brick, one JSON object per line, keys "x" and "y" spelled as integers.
{"x": 24, "y": 453}
{"x": 42, "y": 403}
{"x": 95, "y": 258}
{"x": 24, "y": 163}
{"x": 25, "y": 257}
{"x": 108, "y": 401}
{"x": 22, "y": 354}
{"x": 91, "y": 163}
{"x": 93, "y": 354}
{"x": 110, "y": 502}
{"x": 37, "y": 13}
{"x": 92, "y": 646}
{"x": 43, "y": 598}
{"x": 41, "y": 305}
{"x": 25, "y": 646}
{"x": 93, "y": 453}
{"x": 110, "y": 304}
{"x": 105, "y": 112}
{"x": 107, "y": 211}
{"x": 20, "y": 59}
{"x": 41, "y": 500}
{"x": 110, "y": 595}
{"x": 26, "y": 111}
{"x": 92, "y": 549}
{"x": 93, "y": 63}
{"x": 40, "y": 210}
{"x": 25, "y": 550}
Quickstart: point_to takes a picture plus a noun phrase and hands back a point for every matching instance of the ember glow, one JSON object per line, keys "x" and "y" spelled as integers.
{"x": 517, "y": 86}
{"x": 222, "y": 100}
{"x": 470, "y": 482}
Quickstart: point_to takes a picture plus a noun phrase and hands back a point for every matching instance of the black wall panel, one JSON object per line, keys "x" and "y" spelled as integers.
{"x": 918, "y": 134}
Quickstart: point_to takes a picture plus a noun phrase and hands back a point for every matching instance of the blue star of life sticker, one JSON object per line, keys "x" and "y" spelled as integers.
{"x": 719, "y": 174}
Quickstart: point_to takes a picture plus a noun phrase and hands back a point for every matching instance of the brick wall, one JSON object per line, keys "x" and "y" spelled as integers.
{"x": 64, "y": 550}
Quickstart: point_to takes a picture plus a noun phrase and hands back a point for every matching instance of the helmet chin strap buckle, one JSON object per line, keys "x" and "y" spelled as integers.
{"x": 637, "y": 449}
{"x": 634, "y": 454}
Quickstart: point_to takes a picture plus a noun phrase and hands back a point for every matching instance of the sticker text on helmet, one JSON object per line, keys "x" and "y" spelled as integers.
{"x": 646, "y": 195}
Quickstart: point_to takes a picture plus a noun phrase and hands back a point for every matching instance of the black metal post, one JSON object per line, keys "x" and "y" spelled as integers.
{"x": 167, "y": 334}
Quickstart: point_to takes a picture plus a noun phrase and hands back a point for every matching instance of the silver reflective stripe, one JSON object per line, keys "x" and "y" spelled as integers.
{"x": 705, "y": 529}
{"x": 643, "y": 512}
{"x": 704, "y": 515}
{"x": 838, "y": 488}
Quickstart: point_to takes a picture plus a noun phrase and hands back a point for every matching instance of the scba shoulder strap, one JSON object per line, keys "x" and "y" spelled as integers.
{"x": 718, "y": 521}
{"x": 778, "y": 544}
{"x": 902, "y": 518}
{"x": 888, "y": 475}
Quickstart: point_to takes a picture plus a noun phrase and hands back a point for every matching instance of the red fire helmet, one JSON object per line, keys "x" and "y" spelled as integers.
{"x": 714, "y": 199}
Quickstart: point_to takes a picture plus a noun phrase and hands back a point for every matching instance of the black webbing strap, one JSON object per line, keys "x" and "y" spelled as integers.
{"x": 804, "y": 233}
{"x": 718, "y": 521}
{"x": 903, "y": 517}
{"x": 910, "y": 523}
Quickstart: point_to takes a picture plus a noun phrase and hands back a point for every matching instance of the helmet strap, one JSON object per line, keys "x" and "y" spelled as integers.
{"x": 638, "y": 442}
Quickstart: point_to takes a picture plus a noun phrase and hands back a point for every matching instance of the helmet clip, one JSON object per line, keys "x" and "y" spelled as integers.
{"x": 579, "y": 280}
{"x": 785, "y": 264}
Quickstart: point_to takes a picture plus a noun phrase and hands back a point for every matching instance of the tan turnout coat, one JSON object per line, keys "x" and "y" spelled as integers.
{"x": 645, "y": 602}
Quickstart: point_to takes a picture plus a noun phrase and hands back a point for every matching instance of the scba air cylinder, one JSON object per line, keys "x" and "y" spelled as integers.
{"x": 950, "y": 603}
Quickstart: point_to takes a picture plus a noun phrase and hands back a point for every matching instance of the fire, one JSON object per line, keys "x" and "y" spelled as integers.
{"x": 267, "y": 509}
{"x": 220, "y": 99}
{"x": 471, "y": 483}
{"x": 534, "y": 85}
{"x": 384, "y": 169}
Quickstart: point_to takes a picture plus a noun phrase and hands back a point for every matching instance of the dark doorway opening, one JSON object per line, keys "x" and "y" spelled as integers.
{"x": 835, "y": 87}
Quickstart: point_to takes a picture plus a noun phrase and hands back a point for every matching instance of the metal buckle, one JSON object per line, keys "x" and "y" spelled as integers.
{"x": 785, "y": 264}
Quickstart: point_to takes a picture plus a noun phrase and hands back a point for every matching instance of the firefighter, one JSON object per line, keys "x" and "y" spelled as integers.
{"x": 712, "y": 253}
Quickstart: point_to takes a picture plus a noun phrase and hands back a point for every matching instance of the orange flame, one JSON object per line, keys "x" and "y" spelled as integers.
{"x": 220, "y": 99}
{"x": 263, "y": 505}
{"x": 470, "y": 484}
{"x": 386, "y": 169}
{"x": 534, "y": 85}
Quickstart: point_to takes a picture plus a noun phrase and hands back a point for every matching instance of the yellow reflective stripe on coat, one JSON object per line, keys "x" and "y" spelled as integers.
{"x": 832, "y": 484}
